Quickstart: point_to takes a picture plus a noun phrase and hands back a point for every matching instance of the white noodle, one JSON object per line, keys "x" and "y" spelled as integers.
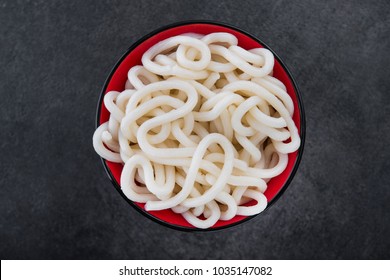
{"x": 201, "y": 127}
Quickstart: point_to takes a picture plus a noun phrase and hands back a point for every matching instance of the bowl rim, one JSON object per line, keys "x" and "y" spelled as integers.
{"x": 299, "y": 103}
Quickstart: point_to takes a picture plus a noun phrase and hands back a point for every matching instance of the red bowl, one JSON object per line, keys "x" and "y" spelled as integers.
{"x": 116, "y": 81}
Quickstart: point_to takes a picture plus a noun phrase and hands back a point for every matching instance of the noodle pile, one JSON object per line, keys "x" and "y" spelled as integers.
{"x": 201, "y": 127}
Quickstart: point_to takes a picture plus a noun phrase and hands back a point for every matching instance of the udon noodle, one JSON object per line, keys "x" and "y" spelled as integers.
{"x": 201, "y": 127}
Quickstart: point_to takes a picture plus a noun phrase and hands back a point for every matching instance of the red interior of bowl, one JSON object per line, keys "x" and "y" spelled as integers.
{"x": 117, "y": 83}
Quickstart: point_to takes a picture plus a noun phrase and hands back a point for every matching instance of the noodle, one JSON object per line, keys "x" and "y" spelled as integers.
{"x": 201, "y": 127}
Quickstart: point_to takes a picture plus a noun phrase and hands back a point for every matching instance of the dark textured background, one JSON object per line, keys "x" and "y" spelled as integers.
{"x": 56, "y": 201}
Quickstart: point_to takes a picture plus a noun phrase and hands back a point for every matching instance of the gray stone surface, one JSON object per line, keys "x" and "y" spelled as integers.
{"x": 55, "y": 199}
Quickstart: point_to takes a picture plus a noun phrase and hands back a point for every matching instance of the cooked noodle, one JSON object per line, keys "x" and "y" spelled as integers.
{"x": 201, "y": 128}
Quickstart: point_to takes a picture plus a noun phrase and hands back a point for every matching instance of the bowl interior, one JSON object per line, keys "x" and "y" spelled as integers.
{"x": 133, "y": 57}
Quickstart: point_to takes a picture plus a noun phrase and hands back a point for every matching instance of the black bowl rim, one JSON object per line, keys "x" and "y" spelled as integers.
{"x": 300, "y": 106}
